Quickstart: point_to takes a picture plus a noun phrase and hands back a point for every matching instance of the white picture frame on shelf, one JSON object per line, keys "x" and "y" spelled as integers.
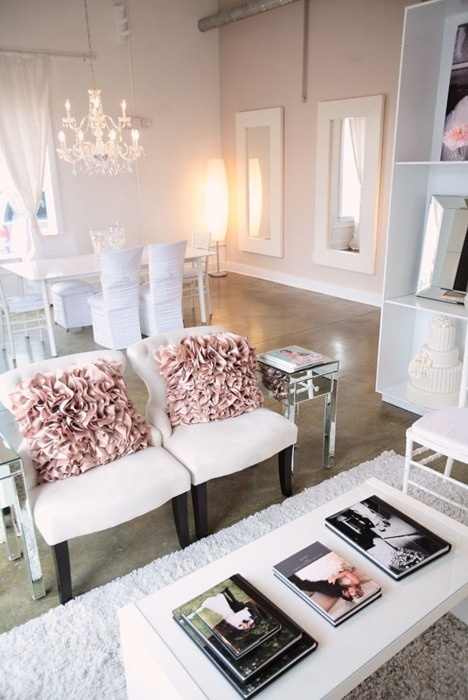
{"x": 455, "y": 136}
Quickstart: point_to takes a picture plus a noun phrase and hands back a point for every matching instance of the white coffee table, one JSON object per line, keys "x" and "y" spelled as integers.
{"x": 161, "y": 661}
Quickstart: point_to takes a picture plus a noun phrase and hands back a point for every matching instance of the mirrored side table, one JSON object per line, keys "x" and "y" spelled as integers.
{"x": 305, "y": 384}
{"x": 16, "y": 517}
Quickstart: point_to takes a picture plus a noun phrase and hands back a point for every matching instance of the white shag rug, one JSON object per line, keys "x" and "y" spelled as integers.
{"x": 73, "y": 652}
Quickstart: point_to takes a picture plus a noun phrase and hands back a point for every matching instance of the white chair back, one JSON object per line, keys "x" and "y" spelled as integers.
{"x": 161, "y": 308}
{"x": 120, "y": 276}
{"x": 201, "y": 240}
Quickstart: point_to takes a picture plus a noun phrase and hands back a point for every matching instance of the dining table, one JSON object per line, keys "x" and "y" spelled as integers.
{"x": 45, "y": 271}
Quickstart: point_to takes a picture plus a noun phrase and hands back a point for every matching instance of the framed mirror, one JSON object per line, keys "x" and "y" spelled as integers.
{"x": 443, "y": 272}
{"x": 259, "y": 143}
{"x": 349, "y": 143}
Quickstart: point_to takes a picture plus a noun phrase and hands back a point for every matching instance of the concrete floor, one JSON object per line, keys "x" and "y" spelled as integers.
{"x": 270, "y": 315}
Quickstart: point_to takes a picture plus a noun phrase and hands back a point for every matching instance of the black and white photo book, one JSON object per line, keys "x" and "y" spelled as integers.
{"x": 391, "y": 539}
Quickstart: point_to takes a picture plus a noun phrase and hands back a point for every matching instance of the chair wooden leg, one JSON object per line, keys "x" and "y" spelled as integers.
{"x": 200, "y": 509}
{"x": 180, "y": 511}
{"x": 285, "y": 470}
{"x": 61, "y": 556}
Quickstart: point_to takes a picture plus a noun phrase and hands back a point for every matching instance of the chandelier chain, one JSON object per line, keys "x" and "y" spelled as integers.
{"x": 88, "y": 31}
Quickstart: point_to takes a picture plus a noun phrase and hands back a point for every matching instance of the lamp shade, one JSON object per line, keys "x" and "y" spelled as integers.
{"x": 216, "y": 199}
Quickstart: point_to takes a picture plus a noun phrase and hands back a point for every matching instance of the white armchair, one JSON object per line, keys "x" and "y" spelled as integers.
{"x": 219, "y": 447}
{"x": 103, "y": 496}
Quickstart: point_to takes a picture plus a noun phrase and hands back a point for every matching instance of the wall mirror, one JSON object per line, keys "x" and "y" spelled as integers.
{"x": 443, "y": 273}
{"x": 349, "y": 144}
{"x": 259, "y": 143}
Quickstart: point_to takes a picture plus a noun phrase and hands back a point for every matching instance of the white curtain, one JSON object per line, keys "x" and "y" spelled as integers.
{"x": 357, "y": 130}
{"x": 24, "y": 114}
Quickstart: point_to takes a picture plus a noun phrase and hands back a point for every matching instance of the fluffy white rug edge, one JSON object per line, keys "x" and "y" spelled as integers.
{"x": 74, "y": 651}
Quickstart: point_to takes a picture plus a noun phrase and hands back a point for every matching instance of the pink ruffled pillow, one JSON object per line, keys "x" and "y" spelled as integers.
{"x": 77, "y": 419}
{"x": 209, "y": 378}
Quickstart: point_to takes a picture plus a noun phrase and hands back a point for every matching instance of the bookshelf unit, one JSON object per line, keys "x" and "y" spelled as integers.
{"x": 418, "y": 173}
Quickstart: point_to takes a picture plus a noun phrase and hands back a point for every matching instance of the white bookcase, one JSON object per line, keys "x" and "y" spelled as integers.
{"x": 418, "y": 173}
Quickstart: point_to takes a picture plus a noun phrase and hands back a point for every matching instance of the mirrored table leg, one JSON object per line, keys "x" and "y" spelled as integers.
{"x": 17, "y": 519}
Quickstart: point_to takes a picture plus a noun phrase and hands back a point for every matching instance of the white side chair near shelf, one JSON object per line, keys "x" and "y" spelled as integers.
{"x": 437, "y": 436}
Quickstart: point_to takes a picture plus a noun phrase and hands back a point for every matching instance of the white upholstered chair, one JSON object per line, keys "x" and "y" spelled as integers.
{"x": 200, "y": 241}
{"x": 440, "y": 436}
{"x": 217, "y": 448}
{"x": 104, "y": 496}
{"x": 114, "y": 310}
{"x": 161, "y": 297}
{"x": 20, "y": 313}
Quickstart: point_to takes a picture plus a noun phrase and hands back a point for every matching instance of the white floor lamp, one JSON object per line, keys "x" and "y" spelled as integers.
{"x": 216, "y": 200}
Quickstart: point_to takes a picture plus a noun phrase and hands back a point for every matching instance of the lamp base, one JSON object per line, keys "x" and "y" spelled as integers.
{"x": 221, "y": 273}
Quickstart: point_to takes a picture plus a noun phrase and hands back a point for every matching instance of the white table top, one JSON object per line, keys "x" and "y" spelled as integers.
{"x": 74, "y": 266}
{"x": 346, "y": 654}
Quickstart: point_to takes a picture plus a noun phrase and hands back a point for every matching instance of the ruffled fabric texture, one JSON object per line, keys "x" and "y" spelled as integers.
{"x": 208, "y": 378}
{"x": 77, "y": 419}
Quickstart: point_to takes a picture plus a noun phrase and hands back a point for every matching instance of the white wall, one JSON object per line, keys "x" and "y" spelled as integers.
{"x": 354, "y": 51}
{"x": 168, "y": 71}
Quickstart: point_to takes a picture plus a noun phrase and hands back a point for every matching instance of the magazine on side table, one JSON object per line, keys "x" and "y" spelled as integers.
{"x": 291, "y": 358}
{"x": 389, "y": 538}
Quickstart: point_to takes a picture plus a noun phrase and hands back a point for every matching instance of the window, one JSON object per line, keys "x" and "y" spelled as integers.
{"x": 12, "y": 225}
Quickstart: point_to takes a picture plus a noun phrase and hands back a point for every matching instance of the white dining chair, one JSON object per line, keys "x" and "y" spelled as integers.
{"x": 20, "y": 314}
{"x": 114, "y": 310}
{"x": 161, "y": 297}
{"x": 201, "y": 240}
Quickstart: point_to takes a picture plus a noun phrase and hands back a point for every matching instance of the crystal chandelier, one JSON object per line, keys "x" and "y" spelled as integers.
{"x": 101, "y": 145}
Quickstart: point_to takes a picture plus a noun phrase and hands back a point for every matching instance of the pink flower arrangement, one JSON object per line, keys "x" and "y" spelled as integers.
{"x": 456, "y": 137}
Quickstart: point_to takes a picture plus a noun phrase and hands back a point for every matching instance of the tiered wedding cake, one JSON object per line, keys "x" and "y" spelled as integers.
{"x": 435, "y": 372}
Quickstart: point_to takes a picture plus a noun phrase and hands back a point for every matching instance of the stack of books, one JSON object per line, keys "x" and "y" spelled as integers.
{"x": 291, "y": 358}
{"x": 248, "y": 638}
{"x": 331, "y": 585}
{"x": 392, "y": 540}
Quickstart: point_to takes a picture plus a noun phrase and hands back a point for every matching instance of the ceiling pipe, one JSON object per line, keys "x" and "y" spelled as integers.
{"x": 255, "y": 7}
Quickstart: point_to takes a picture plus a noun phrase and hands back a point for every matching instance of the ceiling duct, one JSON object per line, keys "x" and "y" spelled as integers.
{"x": 249, "y": 9}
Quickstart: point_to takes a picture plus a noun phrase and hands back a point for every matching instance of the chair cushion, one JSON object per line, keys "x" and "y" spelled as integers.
{"x": 78, "y": 418}
{"x": 214, "y": 449}
{"x": 209, "y": 378}
{"x": 444, "y": 430}
{"x": 107, "y": 496}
